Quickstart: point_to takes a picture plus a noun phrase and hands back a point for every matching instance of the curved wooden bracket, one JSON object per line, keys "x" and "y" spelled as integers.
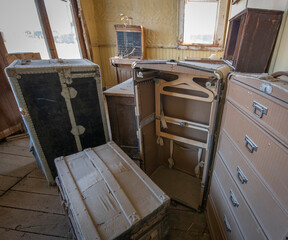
{"x": 186, "y": 82}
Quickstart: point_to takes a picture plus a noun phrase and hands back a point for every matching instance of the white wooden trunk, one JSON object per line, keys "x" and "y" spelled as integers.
{"x": 107, "y": 196}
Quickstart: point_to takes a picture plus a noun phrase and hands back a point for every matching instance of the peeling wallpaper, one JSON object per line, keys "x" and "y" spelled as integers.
{"x": 158, "y": 17}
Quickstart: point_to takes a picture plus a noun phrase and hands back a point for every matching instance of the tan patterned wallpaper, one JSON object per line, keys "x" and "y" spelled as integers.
{"x": 158, "y": 17}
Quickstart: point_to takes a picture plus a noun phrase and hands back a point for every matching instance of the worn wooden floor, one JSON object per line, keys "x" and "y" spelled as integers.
{"x": 30, "y": 209}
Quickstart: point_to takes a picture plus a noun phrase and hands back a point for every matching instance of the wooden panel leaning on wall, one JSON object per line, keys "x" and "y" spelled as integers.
{"x": 10, "y": 121}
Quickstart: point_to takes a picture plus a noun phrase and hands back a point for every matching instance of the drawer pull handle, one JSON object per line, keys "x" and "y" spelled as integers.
{"x": 257, "y": 107}
{"x": 250, "y": 145}
{"x": 233, "y": 199}
{"x": 243, "y": 179}
{"x": 227, "y": 224}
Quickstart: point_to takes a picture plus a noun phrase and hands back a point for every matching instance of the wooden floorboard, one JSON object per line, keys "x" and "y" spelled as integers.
{"x": 24, "y": 142}
{"x": 9, "y": 234}
{"x": 186, "y": 219}
{"x": 32, "y": 201}
{"x": 36, "y": 185}
{"x": 35, "y": 222}
{"x": 30, "y": 209}
{"x": 16, "y": 166}
{"x": 15, "y": 150}
{"x": 7, "y": 182}
{"x": 183, "y": 235}
{"x": 36, "y": 173}
{"x": 186, "y": 223}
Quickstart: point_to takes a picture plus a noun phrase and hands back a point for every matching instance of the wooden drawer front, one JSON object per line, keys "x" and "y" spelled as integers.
{"x": 271, "y": 216}
{"x": 246, "y": 220}
{"x": 224, "y": 215}
{"x": 213, "y": 223}
{"x": 254, "y": 102}
{"x": 270, "y": 159}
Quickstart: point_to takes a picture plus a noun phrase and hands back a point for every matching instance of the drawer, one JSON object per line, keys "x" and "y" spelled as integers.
{"x": 270, "y": 159}
{"x": 223, "y": 214}
{"x": 270, "y": 112}
{"x": 274, "y": 219}
{"x": 213, "y": 224}
{"x": 246, "y": 220}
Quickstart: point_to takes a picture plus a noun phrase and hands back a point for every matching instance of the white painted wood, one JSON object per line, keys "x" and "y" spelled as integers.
{"x": 105, "y": 192}
{"x": 184, "y": 140}
{"x": 124, "y": 89}
{"x": 83, "y": 219}
{"x": 124, "y": 203}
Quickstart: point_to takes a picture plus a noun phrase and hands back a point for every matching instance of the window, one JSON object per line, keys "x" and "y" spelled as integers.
{"x": 202, "y": 23}
{"x": 47, "y": 27}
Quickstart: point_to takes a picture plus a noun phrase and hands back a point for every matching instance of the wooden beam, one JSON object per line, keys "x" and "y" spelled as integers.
{"x": 46, "y": 28}
{"x": 183, "y": 140}
{"x": 3, "y": 53}
{"x": 85, "y": 31}
{"x": 79, "y": 28}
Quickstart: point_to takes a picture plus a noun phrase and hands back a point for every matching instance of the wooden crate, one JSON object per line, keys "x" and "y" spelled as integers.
{"x": 107, "y": 196}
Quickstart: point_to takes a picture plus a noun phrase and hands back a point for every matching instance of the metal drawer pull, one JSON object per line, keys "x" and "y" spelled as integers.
{"x": 260, "y": 108}
{"x": 243, "y": 179}
{"x": 250, "y": 145}
{"x": 233, "y": 199}
{"x": 227, "y": 224}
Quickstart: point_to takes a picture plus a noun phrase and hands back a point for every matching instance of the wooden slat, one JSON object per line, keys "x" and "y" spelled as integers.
{"x": 36, "y": 173}
{"x": 34, "y": 222}
{"x": 10, "y": 119}
{"x": 16, "y": 166}
{"x": 11, "y": 57}
{"x": 32, "y": 201}
{"x": 40, "y": 5}
{"x": 77, "y": 205}
{"x": 16, "y": 150}
{"x": 124, "y": 203}
{"x": 85, "y": 31}
{"x": 34, "y": 185}
{"x": 194, "y": 125}
{"x": 183, "y": 140}
{"x": 79, "y": 28}
{"x": 7, "y": 182}
{"x": 158, "y": 193}
{"x": 19, "y": 235}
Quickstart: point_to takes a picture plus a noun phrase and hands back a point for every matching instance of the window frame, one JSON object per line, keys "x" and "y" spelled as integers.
{"x": 220, "y": 27}
{"x": 47, "y": 32}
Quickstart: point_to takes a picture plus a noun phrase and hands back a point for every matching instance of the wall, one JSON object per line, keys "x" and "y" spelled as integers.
{"x": 281, "y": 62}
{"x": 159, "y": 18}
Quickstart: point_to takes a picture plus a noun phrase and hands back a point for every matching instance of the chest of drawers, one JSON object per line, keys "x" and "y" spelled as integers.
{"x": 251, "y": 162}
